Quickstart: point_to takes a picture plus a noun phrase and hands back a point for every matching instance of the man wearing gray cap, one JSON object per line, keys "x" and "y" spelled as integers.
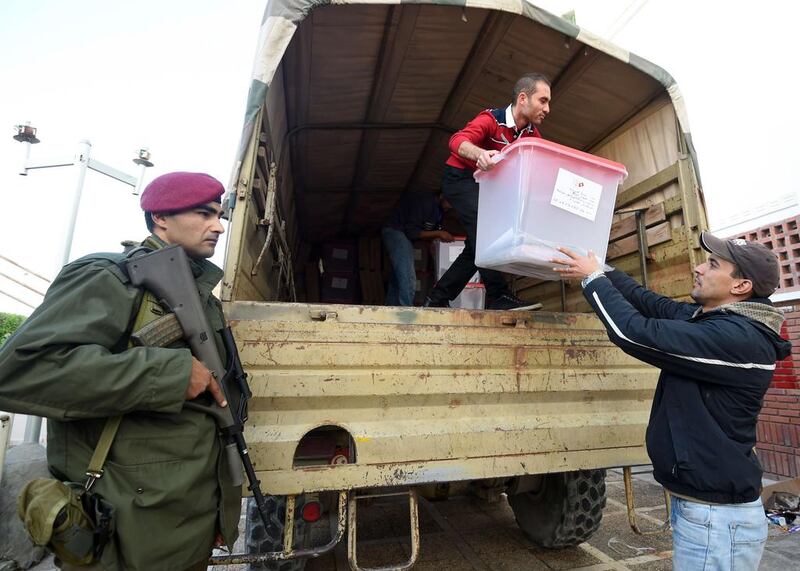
{"x": 72, "y": 362}
{"x": 717, "y": 357}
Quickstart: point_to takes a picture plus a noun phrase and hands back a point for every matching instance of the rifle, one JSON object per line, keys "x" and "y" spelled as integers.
{"x": 167, "y": 275}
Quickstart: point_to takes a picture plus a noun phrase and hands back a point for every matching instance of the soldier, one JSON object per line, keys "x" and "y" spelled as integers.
{"x": 71, "y": 363}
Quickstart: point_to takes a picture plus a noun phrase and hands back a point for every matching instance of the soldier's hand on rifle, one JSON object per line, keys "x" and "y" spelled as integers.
{"x": 201, "y": 380}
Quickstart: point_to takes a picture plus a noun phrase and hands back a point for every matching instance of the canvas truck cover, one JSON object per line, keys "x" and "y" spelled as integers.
{"x": 282, "y": 18}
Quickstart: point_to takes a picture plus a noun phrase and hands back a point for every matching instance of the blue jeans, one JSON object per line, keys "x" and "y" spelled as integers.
{"x": 404, "y": 278}
{"x": 717, "y": 537}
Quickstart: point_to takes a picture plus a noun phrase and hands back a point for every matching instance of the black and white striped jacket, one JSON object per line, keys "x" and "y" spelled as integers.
{"x": 715, "y": 368}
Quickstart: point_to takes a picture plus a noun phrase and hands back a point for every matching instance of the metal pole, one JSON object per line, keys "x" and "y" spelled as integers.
{"x": 143, "y": 160}
{"x": 81, "y": 164}
{"x": 33, "y": 430}
{"x": 6, "y": 424}
{"x": 23, "y": 268}
{"x": 644, "y": 251}
{"x": 24, "y": 170}
{"x": 18, "y": 300}
{"x": 140, "y": 179}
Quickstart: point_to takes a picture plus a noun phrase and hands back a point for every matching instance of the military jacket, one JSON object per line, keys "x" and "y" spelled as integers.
{"x": 70, "y": 362}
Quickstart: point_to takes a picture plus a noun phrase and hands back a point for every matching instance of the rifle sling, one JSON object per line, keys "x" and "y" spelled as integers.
{"x": 95, "y": 469}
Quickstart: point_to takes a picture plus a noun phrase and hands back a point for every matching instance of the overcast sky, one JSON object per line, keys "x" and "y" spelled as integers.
{"x": 174, "y": 75}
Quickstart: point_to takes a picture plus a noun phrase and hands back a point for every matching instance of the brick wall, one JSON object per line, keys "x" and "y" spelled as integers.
{"x": 779, "y": 422}
{"x": 783, "y": 238}
{"x": 778, "y": 427}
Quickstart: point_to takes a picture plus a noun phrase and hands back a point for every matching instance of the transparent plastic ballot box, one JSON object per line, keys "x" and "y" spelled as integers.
{"x": 473, "y": 296}
{"x": 445, "y": 253}
{"x": 541, "y": 195}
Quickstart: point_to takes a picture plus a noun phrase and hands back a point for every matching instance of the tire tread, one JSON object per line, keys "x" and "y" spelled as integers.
{"x": 566, "y": 512}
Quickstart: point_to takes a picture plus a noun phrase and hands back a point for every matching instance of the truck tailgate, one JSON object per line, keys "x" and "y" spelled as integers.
{"x": 436, "y": 395}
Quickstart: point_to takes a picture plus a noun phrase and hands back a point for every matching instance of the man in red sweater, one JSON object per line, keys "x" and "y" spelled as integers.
{"x": 472, "y": 148}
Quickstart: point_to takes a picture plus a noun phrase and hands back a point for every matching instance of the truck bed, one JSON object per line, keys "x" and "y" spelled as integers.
{"x": 430, "y": 395}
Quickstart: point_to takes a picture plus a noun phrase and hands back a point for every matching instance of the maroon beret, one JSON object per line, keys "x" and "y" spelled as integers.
{"x": 179, "y": 191}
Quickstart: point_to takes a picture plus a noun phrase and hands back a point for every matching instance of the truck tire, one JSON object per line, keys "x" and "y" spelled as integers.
{"x": 564, "y": 511}
{"x": 261, "y": 539}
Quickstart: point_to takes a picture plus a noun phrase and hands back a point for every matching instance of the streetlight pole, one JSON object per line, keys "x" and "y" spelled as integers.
{"x": 143, "y": 160}
{"x": 82, "y": 162}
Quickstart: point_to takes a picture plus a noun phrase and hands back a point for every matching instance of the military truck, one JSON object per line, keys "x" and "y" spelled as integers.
{"x": 351, "y": 105}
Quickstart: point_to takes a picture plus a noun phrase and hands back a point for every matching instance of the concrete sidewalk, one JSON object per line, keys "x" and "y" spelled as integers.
{"x": 468, "y": 534}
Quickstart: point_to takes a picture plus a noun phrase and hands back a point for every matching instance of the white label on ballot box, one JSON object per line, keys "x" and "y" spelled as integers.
{"x": 576, "y": 194}
{"x": 339, "y": 283}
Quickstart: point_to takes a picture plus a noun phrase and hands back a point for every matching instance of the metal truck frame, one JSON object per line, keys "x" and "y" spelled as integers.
{"x": 351, "y": 104}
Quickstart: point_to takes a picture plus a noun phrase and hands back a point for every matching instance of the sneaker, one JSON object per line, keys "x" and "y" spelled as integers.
{"x": 508, "y": 302}
{"x": 431, "y": 303}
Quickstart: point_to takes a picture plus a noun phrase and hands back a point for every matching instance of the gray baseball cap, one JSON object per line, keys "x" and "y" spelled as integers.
{"x": 755, "y": 261}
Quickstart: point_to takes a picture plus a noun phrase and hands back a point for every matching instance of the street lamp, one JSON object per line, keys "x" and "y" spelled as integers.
{"x": 26, "y": 134}
{"x": 82, "y": 161}
{"x": 143, "y": 160}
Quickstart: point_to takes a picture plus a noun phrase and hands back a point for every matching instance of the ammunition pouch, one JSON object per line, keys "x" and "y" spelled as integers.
{"x": 72, "y": 522}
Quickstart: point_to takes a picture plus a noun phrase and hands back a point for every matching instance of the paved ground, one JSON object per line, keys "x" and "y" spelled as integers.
{"x": 468, "y": 534}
